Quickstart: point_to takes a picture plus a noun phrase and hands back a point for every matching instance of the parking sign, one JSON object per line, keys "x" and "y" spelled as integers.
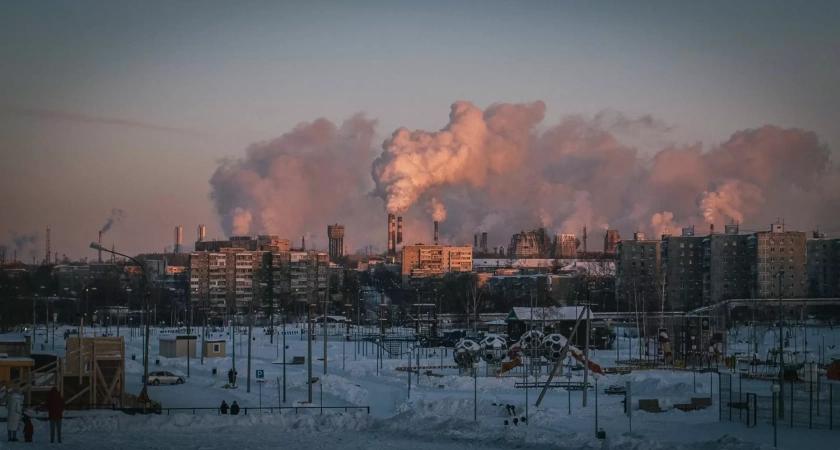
{"x": 260, "y": 374}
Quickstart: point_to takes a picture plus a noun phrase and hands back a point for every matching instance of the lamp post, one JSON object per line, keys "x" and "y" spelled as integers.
{"x": 775, "y": 421}
{"x": 779, "y": 275}
{"x": 596, "y": 376}
{"x": 144, "y": 395}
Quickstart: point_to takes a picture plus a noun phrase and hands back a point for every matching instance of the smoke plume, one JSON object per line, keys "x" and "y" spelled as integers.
{"x": 117, "y": 215}
{"x": 436, "y": 210}
{"x": 500, "y": 171}
{"x": 69, "y": 116}
{"x": 21, "y": 241}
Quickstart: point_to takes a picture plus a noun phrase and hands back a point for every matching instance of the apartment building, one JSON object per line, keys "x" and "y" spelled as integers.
{"x": 823, "y": 266}
{"x": 682, "y": 265}
{"x": 638, "y": 273}
{"x": 727, "y": 266}
{"x": 429, "y": 261}
{"x": 778, "y": 252}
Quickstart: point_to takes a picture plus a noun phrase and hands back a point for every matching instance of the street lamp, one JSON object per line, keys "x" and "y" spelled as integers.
{"x": 779, "y": 275}
{"x": 596, "y": 377}
{"x": 144, "y": 395}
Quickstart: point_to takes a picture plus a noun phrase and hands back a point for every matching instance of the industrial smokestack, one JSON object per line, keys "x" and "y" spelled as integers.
{"x": 484, "y": 241}
{"x": 100, "y": 245}
{"x": 399, "y": 230}
{"x": 475, "y": 241}
{"x": 584, "y": 239}
{"x": 436, "y": 232}
{"x": 202, "y": 232}
{"x": 391, "y": 234}
{"x": 712, "y": 229}
{"x": 303, "y": 243}
{"x": 179, "y": 238}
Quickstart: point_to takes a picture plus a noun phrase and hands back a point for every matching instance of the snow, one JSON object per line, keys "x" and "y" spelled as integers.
{"x": 437, "y": 414}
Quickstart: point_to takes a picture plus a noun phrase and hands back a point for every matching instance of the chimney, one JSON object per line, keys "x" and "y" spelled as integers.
{"x": 179, "y": 238}
{"x": 436, "y": 232}
{"x": 712, "y": 229}
{"x": 399, "y": 230}
{"x": 303, "y": 243}
{"x": 484, "y": 241}
{"x": 391, "y": 234}
{"x": 100, "y": 245}
{"x": 202, "y": 232}
{"x": 475, "y": 239}
{"x": 584, "y": 239}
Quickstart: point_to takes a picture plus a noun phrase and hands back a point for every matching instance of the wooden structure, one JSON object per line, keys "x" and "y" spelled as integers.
{"x": 93, "y": 372}
{"x": 177, "y": 346}
{"x": 213, "y": 348}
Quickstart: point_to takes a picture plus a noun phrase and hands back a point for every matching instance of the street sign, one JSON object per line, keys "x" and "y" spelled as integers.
{"x": 260, "y": 374}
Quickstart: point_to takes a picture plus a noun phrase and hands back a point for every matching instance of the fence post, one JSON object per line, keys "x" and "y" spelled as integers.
{"x": 730, "y": 398}
{"x": 831, "y": 406}
{"x": 740, "y": 394}
{"x": 811, "y": 402}
{"x": 720, "y": 398}
{"x": 791, "y": 403}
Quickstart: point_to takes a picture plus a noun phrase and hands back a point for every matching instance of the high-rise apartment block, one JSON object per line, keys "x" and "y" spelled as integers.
{"x": 429, "y": 261}
{"x": 223, "y": 281}
{"x": 682, "y": 265}
{"x": 638, "y": 280}
{"x": 726, "y": 266}
{"x": 823, "y": 266}
{"x": 778, "y": 252}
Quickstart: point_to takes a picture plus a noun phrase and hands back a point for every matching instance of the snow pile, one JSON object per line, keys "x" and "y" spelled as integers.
{"x": 311, "y": 422}
{"x": 632, "y": 442}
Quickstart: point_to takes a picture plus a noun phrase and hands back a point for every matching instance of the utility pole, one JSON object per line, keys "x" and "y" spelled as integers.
{"x": 250, "y": 340}
{"x": 310, "y": 328}
{"x": 271, "y": 296}
{"x": 586, "y": 344}
{"x": 326, "y": 307}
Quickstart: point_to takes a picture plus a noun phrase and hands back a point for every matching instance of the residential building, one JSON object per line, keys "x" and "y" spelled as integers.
{"x": 267, "y": 243}
{"x": 726, "y": 266}
{"x": 297, "y": 278}
{"x": 638, "y": 274}
{"x": 823, "y": 266}
{"x": 775, "y": 251}
{"x": 429, "y": 261}
{"x": 223, "y": 281}
{"x": 682, "y": 266}
{"x": 335, "y": 234}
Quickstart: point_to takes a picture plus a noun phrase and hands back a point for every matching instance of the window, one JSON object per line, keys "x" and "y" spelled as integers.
{"x": 217, "y": 348}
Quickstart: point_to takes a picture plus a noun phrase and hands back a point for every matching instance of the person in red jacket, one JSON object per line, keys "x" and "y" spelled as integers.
{"x": 55, "y": 406}
{"x": 28, "y": 429}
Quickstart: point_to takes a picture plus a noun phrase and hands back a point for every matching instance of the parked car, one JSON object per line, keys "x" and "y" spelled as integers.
{"x": 158, "y": 378}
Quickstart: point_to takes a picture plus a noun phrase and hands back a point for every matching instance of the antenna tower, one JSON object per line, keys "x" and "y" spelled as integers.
{"x": 47, "y": 260}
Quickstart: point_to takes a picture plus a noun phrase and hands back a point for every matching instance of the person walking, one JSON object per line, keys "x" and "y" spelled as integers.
{"x": 224, "y": 408}
{"x": 55, "y": 406}
{"x": 14, "y": 407}
{"x": 234, "y": 409}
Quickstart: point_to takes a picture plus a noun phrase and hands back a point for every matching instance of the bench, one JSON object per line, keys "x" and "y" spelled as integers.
{"x": 615, "y": 390}
{"x": 650, "y": 405}
{"x": 298, "y": 360}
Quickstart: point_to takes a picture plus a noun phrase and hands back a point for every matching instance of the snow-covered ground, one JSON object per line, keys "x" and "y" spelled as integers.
{"x": 438, "y": 414}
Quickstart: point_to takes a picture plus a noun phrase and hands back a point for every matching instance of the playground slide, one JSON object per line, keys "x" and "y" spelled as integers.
{"x": 578, "y": 355}
{"x": 510, "y": 365}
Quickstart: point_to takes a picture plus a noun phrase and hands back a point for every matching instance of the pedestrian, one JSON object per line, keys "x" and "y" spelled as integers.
{"x": 234, "y": 409}
{"x": 224, "y": 408}
{"x": 14, "y": 407}
{"x": 55, "y": 406}
{"x": 28, "y": 429}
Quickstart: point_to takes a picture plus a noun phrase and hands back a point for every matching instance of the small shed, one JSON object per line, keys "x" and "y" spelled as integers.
{"x": 15, "y": 345}
{"x": 178, "y": 346}
{"x": 214, "y": 348}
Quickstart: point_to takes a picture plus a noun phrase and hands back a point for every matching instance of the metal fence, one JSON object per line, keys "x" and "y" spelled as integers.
{"x": 813, "y": 404}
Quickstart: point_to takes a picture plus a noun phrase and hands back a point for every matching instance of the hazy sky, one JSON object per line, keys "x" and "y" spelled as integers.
{"x": 245, "y": 71}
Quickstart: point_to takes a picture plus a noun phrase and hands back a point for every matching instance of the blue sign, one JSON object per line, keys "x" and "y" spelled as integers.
{"x": 260, "y": 374}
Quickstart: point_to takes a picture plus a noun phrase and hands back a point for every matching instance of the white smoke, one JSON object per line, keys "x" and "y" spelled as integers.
{"x": 733, "y": 200}
{"x": 663, "y": 223}
{"x": 436, "y": 210}
{"x": 241, "y": 222}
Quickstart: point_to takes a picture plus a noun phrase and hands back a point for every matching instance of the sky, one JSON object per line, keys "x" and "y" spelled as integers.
{"x": 131, "y": 105}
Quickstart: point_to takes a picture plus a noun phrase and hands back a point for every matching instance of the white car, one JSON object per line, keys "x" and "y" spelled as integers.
{"x": 157, "y": 378}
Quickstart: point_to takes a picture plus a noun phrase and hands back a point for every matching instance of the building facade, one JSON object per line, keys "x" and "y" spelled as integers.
{"x": 530, "y": 244}
{"x": 638, "y": 274}
{"x": 823, "y": 266}
{"x": 778, "y": 252}
{"x": 335, "y": 234}
{"x": 430, "y": 261}
{"x": 682, "y": 266}
{"x": 726, "y": 266}
{"x": 268, "y": 243}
